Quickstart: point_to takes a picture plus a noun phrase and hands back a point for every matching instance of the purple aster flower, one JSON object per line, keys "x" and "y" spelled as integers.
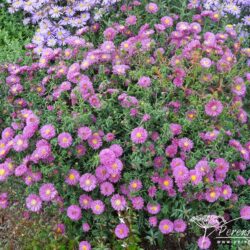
{"x": 118, "y": 202}
{"x": 48, "y": 131}
{"x": 166, "y": 226}
{"x": 195, "y": 177}
{"x": 137, "y": 202}
{"x": 74, "y": 212}
{"x": 153, "y": 208}
{"x": 153, "y": 221}
{"x": 180, "y": 225}
{"x": 47, "y": 192}
{"x": 107, "y": 188}
{"x": 204, "y": 242}
{"x": 84, "y": 245}
{"x": 121, "y": 231}
{"x": 107, "y": 156}
{"x": 245, "y": 213}
{"x": 185, "y": 144}
{"x": 97, "y": 207}
{"x": 85, "y": 227}
{"x": 144, "y": 82}
{"x": 135, "y": 185}
{"x": 212, "y": 194}
{"x": 73, "y": 177}
{"x": 85, "y": 201}
{"x": 166, "y": 183}
{"x": 213, "y": 108}
{"x": 33, "y": 203}
{"x": 88, "y": 182}
{"x": 20, "y": 143}
{"x": 139, "y": 135}
{"x": 226, "y": 192}
{"x": 167, "y": 21}
{"x": 152, "y": 8}
{"x": 206, "y": 62}
{"x": 65, "y": 140}
{"x": 3, "y": 200}
{"x": 95, "y": 141}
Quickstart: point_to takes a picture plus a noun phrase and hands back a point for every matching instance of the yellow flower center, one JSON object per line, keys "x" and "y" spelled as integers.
{"x": 2, "y": 172}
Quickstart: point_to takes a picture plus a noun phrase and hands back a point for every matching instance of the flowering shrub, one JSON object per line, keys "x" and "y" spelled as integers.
{"x": 57, "y": 19}
{"x": 134, "y": 136}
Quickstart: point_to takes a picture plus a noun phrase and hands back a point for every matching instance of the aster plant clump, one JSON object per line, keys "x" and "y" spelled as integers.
{"x": 236, "y": 10}
{"x": 128, "y": 139}
{"x": 57, "y": 20}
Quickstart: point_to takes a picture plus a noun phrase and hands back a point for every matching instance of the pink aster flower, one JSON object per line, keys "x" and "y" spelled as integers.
{"x": 84, "y": 245}
{"x": 107, "y": 156}
{"x": 153, "y": 208}
{"x": 118, "y": 202}
{"x": 205, "y": 62}
{"x": 245, "y": 213}
{"x": 144, "y": 82}
{"x": 97, "y": 207}
{"x": 213, "y": 108}
{"x": 195, "y": 177}
{"x": 60, "y": 228}
{"x": 95, "y": 141}
{"x": 153, "y": 221}
{"x": 3, "y": 200}
{"x": 4, "y": 172}
{"x": 185, "y": 144}
{"x": 213, "y": 194}
{"x": 166, "y": 226}
{"x": 107, "y": 188}
{"x": 167, "y": 21}
{"x": 166, "y": 183}
{"x": 226, "y": 192}
{"x": 20, "y": 143}
{"x": 139, "y": 135}
{"x": 65, "y": 140}
{"x": 73, "y": 177}
{"x": 33, "y": 203}
{"x": 152, "y": 8}
{"x": 135, "y": 185}
{"x": 121, "y": 231}
{"x": 131, "y": 20}
{"x": 85, "y": 227}
{"x": 74, "y": 212}
{"x": 48, "y": 131}
{"x": 204, "y": 242}
{"x": 137, "y": 202}
{"x": 47, "y": 192}
{"x": 85, "y": 201}
{"x": 88, "y": 182}
{"x": 180, "y": 225}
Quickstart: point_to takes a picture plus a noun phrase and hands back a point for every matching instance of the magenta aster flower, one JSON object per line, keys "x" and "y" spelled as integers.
{"x": 153, "y": 221}
{"x": 95, "y": 141}
{"x": 117, "y": 149}
{"x": 245, "y": 213}
{"x": 152, "y": 8}
{"x": 97, "y": 207}
{"x": 166, "y": 226}
{"x": 204, "y": 242}
{"x": 180, "y": 225}
{"x": 139, "y": 135}
{"x": 84, "y": 245}
{"x": 88, "y": 182}
{"x": 212, "y": 194}
{"x": 166, "y": 183}
{"x": 84, "y": 133}
{"x": 47, "y": 192}
{"x": 3, "y": 200}
{"x": 107, "y": 156}
{"x": 195, "y": 177}
{"x": 85, "y": 227}
{"x": 33, "y": 203}
{"x": 213, "y": 108}
{"x": 135, "y": 185}
{"x": 144, "y": 82}
{"x": 121, "y": 231}
{"x": 118, "y": 202}
{"x": 107, "y": 188}
{"x": 85, "y": 201}
{"x": 226, "y": 192}
{"x": 4, "y": 172}
{"x": 60, "y": 228}
{"x": 185, "y": 144}
{"x": 72, "y": 177}
{"x": 20, "y": 143}
{"x": 74, "y": 212}
{"x": 167, "y": 21}
{"x": 65, "y": 140}
{"x": 48, "y": 131}
{"x": 205, "y": 62}
{"x": 153, "y": 208}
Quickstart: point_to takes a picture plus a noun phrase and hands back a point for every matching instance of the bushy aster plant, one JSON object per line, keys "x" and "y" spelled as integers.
{"x": 57, "y": 20}
{"x": 129, "y": 138}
